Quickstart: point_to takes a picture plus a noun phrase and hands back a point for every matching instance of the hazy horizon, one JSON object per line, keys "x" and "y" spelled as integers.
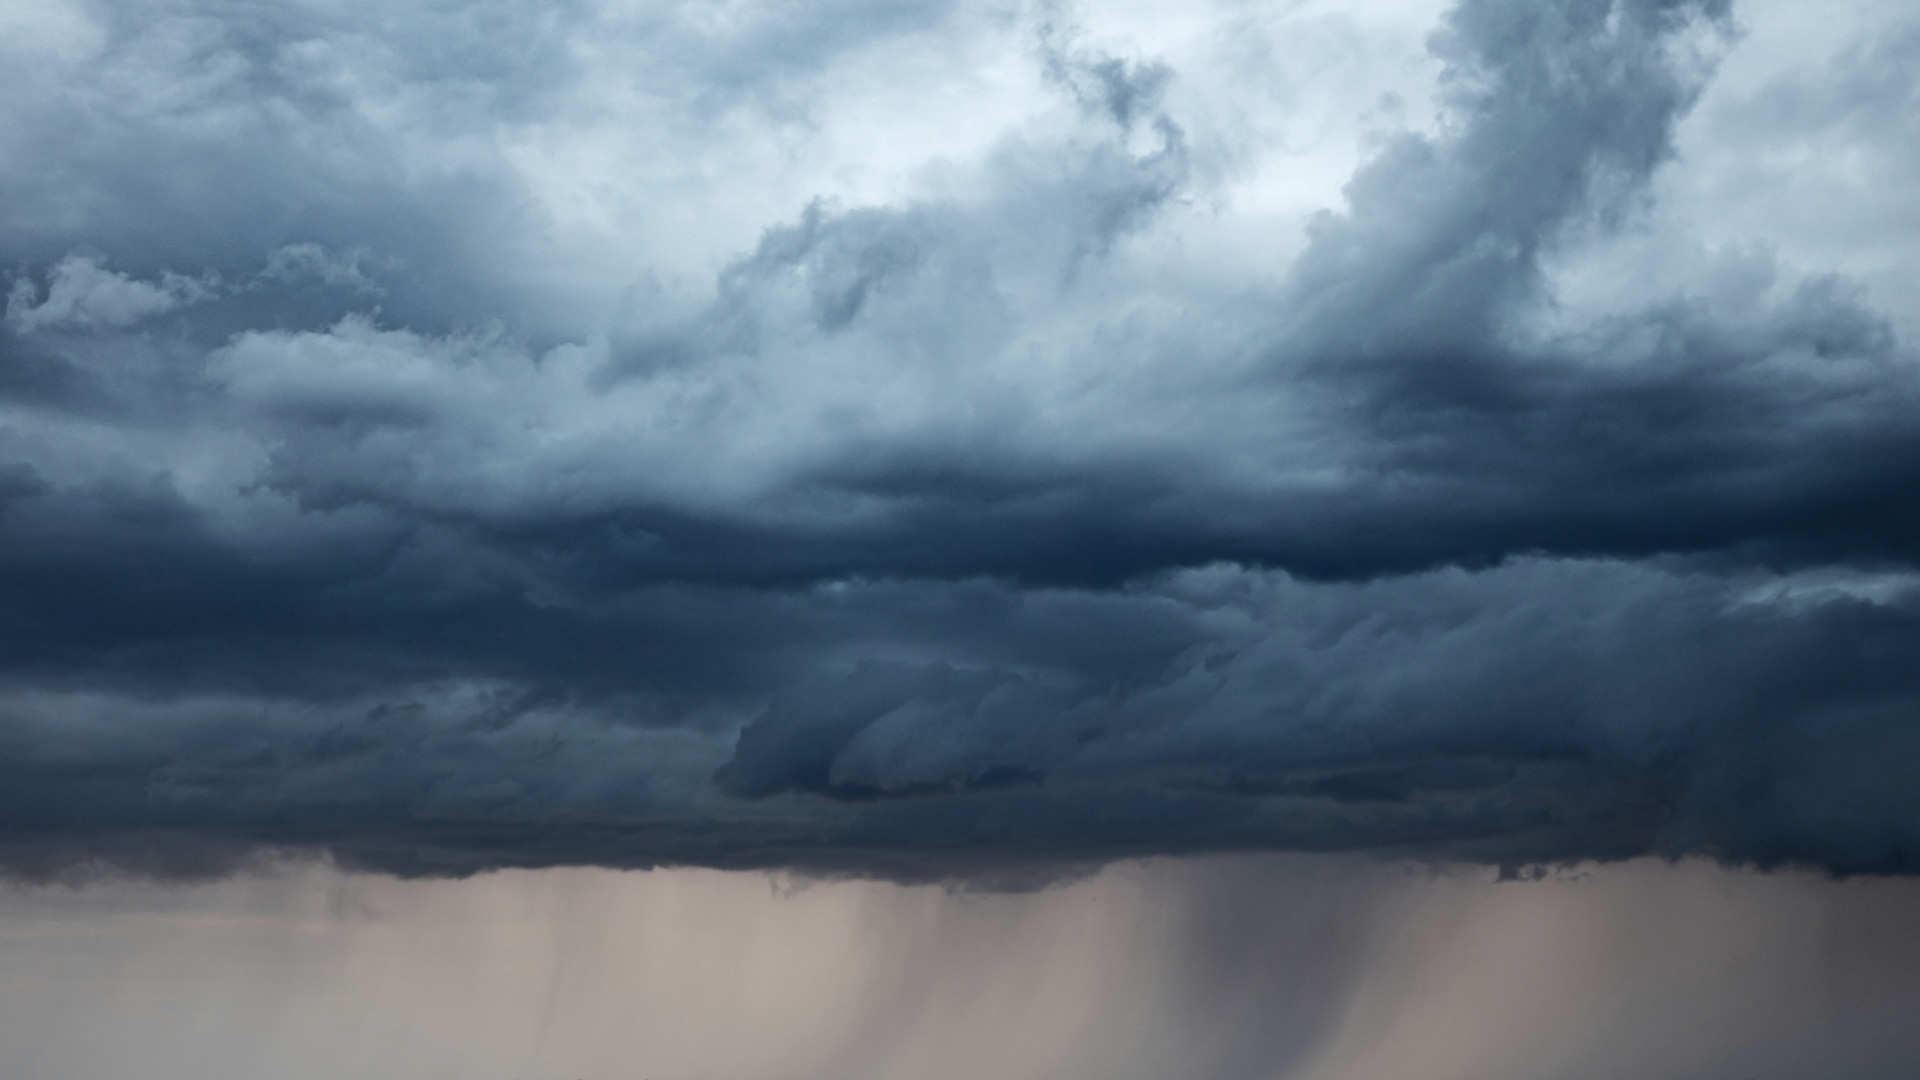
{"x": 1254, "y": 966}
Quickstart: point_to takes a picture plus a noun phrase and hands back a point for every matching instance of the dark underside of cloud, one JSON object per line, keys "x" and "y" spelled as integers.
{"x": 921, "y": 545}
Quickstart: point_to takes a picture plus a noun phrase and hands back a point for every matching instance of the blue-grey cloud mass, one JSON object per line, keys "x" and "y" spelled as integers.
{"x": 932, "y": 439}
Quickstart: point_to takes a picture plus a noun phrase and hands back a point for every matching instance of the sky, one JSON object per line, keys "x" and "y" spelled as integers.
{"x": 1245, "y": 967}
{"x": 942, "y": 453}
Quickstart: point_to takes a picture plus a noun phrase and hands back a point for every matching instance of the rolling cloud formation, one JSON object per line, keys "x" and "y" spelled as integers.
{"x": 895, "y": 437}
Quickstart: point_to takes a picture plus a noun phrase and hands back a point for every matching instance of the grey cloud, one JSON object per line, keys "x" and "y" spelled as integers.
{"x": 1563, "y": 112}
{"x": 1545, "y": 711}
{"x": 82, "y": 294}
{"x": 955, "y": 534}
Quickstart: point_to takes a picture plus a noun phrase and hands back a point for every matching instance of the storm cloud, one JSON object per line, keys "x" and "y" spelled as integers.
{"x": 898, "y": 438}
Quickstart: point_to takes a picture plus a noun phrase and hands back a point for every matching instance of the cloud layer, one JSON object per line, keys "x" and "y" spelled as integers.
{"x": 936, "y": 439}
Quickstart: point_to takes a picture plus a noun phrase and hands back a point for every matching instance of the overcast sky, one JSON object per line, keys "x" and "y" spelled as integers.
{"x": 1343, "y": 456}
{"x": 936, "y": 438}
{"x": 948, "y": 441}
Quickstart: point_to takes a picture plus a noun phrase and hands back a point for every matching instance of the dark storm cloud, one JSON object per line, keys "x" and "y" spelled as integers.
{"x": 938, "y": 536}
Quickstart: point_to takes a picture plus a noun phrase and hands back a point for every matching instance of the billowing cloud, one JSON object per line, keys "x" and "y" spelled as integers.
{"x": 944, "y": 439}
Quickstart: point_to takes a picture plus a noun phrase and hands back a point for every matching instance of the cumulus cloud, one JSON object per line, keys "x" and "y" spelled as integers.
{"x": 82, "y": 294}
{"x": 999, "y": 503}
